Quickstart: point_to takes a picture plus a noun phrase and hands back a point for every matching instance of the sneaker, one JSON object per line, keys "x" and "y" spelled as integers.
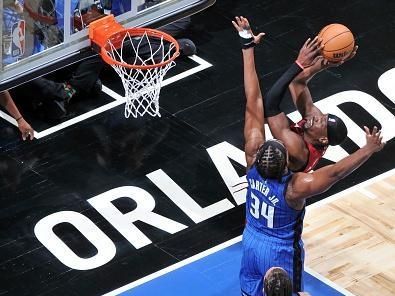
{"x": 187, "y": 47}
{"x": 57, "y": 108}
{"x": 69, "y": 92}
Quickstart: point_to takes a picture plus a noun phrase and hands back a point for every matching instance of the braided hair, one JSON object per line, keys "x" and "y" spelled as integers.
{"x": 277, "y": 283}
{"x": 271, "y": 159}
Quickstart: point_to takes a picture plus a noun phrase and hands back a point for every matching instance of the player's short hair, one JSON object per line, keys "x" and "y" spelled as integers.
{"x": 336, "y": 130}
{"x": 271, "y": 159}
{"x": 277, "y": 283}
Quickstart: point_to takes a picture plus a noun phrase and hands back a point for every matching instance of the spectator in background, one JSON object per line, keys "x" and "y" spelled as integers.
{"x": 83, "y": 78}
{"x": 55, "y": 91}
{"x": 176, "y": 29}
{"x": 12, "y": 49}
{"x": 20, "y": 38}
{"x": 7, "y": 102}
{"x": 41, "y": 23}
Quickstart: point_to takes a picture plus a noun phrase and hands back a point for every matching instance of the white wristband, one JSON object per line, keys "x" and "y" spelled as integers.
{"x": 245, "y": 34}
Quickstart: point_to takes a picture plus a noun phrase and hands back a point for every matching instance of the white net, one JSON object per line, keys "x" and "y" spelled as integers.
{"x": 142, "y": 86}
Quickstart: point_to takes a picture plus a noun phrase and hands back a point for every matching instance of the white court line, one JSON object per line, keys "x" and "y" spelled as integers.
{"x": 174, "y": 266}
{"x": 113, "y": 94}
{"x": 202, "y": 66}
{"x": 226, "y": 244}
{"x": 386, "y": 84}
{"x": 387, "y": 185}
{"x": 118, "y": 101}
{"x": 367, "y": 193}
{"x": 77, "y": 119}
{"x": 8, "y": 118}
{"x": 328, "y": 282}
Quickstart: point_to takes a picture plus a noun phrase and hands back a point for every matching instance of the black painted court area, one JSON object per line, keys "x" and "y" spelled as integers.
{"x": 61, "y": 171}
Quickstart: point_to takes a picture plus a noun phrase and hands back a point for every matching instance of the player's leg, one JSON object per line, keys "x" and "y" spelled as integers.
{"x": 86, "y": 75}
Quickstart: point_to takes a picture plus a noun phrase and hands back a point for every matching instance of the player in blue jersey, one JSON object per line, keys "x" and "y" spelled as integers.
{"x": 275, "y": 201}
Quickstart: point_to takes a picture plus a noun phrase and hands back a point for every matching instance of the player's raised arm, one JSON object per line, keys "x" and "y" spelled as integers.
{"x": 329, "y": 37}
{"x": 254, "y": 132}
{"x": 300, "y": 93}
{"x": 277, "y": 120}
{"x": 307, "y": 185}
{"x": 299, "y": 90}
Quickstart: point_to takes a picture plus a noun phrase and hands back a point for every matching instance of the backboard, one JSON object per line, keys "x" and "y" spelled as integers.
{"x": 41, "y": 36}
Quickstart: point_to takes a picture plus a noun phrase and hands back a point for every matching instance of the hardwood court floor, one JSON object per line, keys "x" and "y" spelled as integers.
{"x": 351, "y": 240}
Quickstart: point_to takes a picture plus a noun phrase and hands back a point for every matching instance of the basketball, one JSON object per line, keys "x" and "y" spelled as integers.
{"x": 338, "y": 42}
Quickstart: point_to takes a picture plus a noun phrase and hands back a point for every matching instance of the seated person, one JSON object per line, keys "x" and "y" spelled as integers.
{"x": 7, "y": 102}
{"x": 56, "y": 90}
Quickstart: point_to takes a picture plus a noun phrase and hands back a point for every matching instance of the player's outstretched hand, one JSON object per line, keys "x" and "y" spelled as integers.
{"x": 374, "y": 139}
{"x": 242, "y": 25}
{"x": 309, "y": 54}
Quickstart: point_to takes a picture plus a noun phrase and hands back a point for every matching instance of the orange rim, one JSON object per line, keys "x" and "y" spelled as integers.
{"x": 140, "y": 32}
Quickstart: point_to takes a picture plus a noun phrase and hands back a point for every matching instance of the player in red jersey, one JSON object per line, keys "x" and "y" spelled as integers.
{"x": 307, "y": 140}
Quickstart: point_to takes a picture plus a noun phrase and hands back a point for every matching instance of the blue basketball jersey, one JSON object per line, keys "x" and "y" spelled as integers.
{"x": 272, "y": 235}
{"x": 267, "y": 210}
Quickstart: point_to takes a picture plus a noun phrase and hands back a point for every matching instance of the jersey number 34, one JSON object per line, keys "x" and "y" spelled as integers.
{"x": 260, "y": 209}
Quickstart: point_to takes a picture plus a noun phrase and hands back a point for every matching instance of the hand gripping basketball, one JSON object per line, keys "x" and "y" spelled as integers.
{"x": 338, "y": 42}
{"x": 309, "y": 53}
{"x": 328, "y": 63}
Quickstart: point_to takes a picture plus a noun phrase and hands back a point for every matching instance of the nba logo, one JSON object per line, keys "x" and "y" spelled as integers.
{"x": 18, "y": 39}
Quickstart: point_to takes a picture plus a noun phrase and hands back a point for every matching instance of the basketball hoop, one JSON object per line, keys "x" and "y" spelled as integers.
{"x": 140, "y": 56}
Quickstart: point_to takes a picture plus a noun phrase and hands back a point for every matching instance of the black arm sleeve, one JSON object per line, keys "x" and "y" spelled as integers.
{"x": 276, "y": 92}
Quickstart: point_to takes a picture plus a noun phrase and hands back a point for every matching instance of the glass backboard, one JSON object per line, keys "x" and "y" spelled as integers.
{"x": 41, "y": 36}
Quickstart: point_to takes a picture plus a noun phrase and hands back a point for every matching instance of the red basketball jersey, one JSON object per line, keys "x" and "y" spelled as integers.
{"x": 315, "y": 153}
